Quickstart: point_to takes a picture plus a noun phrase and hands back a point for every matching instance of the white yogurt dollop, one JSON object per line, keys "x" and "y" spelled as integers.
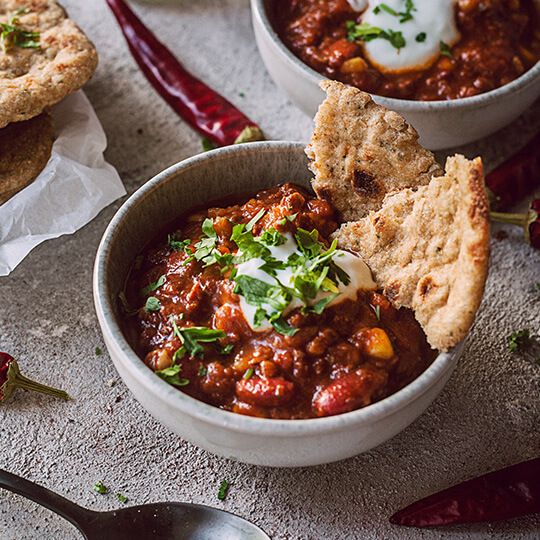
{"x": 357, "y": 270}
{"x": 432, "y": 22}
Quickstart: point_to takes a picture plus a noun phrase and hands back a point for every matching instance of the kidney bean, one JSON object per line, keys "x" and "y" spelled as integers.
{"x": 265, "y": 392}
{"x": 349, "y": 392}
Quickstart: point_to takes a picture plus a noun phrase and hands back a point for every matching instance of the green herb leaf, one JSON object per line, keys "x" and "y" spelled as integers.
{"x": 203, "y": 370}
{"x": 227, "y": 349}
{"x": 207, "y": 144}
{"x": 252, "y": 222}
{"x": 377, "y": 310}
{"x": 152, "y": 304}
{"x": 387, "y": 8}
{"x": 445, "y": 49}
{"x": 154, "y": 286}
{"x": 367, "y": 32}
{"x": 248, "y": 374}
{"x": 178, "y": 245}
{"x": 12, "y": 35}
{"x": 421, "y": 37}
{"x": 171, "y": 375}
{"x": 98, "y": 351}
{"x": 101, "y": 488}
{"x": 517, "y": 341}
{"x": 191, "y": 338}
{"x": 283, "y": 328}
{"x": 272, "y": 237}
{"x": 122, "y": 498}
{"x": 223, "y": 490}
{"x": 322, "y": 304}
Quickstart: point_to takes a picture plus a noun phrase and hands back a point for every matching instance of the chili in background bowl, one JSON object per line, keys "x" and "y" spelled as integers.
{"x": 284, "y": 443}
{"x": 441, "y": 124}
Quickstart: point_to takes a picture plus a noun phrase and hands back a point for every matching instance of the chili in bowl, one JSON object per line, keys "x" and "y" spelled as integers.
{"x": 469, "y": 66}
{"x": 274, "y": 382}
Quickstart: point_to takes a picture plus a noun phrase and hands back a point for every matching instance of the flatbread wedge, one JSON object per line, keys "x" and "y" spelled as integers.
{"x": 34, "y": 78}
{"x": 429, "y": 248}
{"x": 361, "y": 151}
{"x": 25, "y": 148}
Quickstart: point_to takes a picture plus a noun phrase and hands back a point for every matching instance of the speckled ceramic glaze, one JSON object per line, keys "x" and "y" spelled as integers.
{"x": 441, "y": 124}
{"x": 282, "y": 443}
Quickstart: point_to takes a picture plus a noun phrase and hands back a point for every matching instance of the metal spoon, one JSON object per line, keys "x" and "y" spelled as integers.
{"x": 159, "y": 521}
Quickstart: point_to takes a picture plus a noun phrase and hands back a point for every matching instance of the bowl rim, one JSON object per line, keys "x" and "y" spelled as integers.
{"x": 181, "y": 402}
{"x": 260, "y": 15}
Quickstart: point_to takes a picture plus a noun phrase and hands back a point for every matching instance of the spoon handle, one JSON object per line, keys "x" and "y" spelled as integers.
{"x": 74, "y": 513}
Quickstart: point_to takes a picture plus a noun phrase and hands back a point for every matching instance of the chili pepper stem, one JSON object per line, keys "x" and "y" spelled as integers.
{"x": 18, "y": 380}
{"x": 512, "y": 219}
{"x": 250, "y": 134}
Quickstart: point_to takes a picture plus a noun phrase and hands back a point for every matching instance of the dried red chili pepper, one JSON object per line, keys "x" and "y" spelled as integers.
{"x": 200, "y": 106}
{"x": 503, "y": 494}
{"x": 516, "y": 178}
{"x": 529, "y": 221}
{"x": 11, "y": 378}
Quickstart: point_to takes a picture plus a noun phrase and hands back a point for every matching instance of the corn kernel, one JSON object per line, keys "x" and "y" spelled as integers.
{"x": 354, "y": 65}
{"x": 377, "y": 344}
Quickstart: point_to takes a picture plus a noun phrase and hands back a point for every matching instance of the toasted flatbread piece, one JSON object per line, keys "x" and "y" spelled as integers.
{"x": 25, "y": 148}
{"x": 32, "y": 79}
{"x": 361, "y": 151}
{"x": 429, "y": 249}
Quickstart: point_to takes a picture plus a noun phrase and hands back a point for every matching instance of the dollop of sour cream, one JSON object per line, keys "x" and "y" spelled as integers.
{"x": 432, "y": 22}
{"x": 357, "y": 270}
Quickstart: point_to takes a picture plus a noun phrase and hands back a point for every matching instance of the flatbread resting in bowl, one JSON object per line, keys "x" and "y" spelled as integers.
{"x": 361, "y": 151}
{"x": 429, "y": 249}
{"x": 25, "y": 148}
{"x": 37, "y": 71}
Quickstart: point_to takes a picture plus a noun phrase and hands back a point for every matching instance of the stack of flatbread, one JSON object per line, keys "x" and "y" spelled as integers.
{"x": 423, "y": 231}
{"x": 44, "y": 57}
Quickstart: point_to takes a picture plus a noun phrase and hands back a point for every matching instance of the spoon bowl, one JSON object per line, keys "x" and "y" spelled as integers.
{"x": 159, "y": 521}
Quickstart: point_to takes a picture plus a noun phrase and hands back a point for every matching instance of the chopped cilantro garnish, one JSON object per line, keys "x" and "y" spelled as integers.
{"x": 101, "y": 488}
{"x": 367, "y": 32}
{"x": 223, "y": 490}
{"x": 152, "y": 304}
{"x": 421, "y": 37}
{"x": 98, "y": 351}
{"x": 445, "y": 49}
{"x": 122, "y": 498}
{"x": 321, "y": 305}
{"x": 227, "y": 349}
{"x": 202, "y": 370}
{"x": 518, "y": 340}
{"x": 171, "y": 375}
{"x": 154, "y": 285}
{"x": 178, "y": 245}
{"x": 537, "y": 286}
{"x": 377, "y": 310}
{"x": 404, "y": 16}
{"x": 248, "y": 374}
{"x": 191, "y": 338}
{"x": 12, "y": 35}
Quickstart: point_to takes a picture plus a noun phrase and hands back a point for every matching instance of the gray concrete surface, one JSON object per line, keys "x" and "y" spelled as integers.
{"x": 487, "y": 417}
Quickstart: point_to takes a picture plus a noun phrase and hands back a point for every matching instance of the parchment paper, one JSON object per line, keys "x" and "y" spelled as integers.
{"x": 76, "y": 184}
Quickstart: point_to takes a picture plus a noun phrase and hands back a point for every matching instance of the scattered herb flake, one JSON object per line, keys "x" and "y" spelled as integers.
{"x": 154, "y": 286}
{"x": 421, "y": 37}
{"x": 202, "y": 370}
{"x": 537, "y": 286}
{"x": 171, "y": 375}
{"x": 227, "y": 349}
{"x": 223, "y": 490}
{"x": 241, "y": 94}
{"x": 377, "y": 310}
{"x": 12, "y": 35}
{"x": 98, "y": 351}
{"x": 178, "y": 245}
{"x": 101, "y": 488}
{"x": 445, "y": 49}
{"x": 248, "y": 374}
{"x": 152, "y": 304}
{"x": 518, "y": 340}
{"x": 207, "y": 144}
{"x": 367, "y": 32}
{"x": 122, "y": 498}
{"x": 191, "y": 338}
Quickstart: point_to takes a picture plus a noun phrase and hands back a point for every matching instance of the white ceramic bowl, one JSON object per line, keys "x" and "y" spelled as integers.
{"x": 441, "y": 124}
{"x": 282, "y": 443}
